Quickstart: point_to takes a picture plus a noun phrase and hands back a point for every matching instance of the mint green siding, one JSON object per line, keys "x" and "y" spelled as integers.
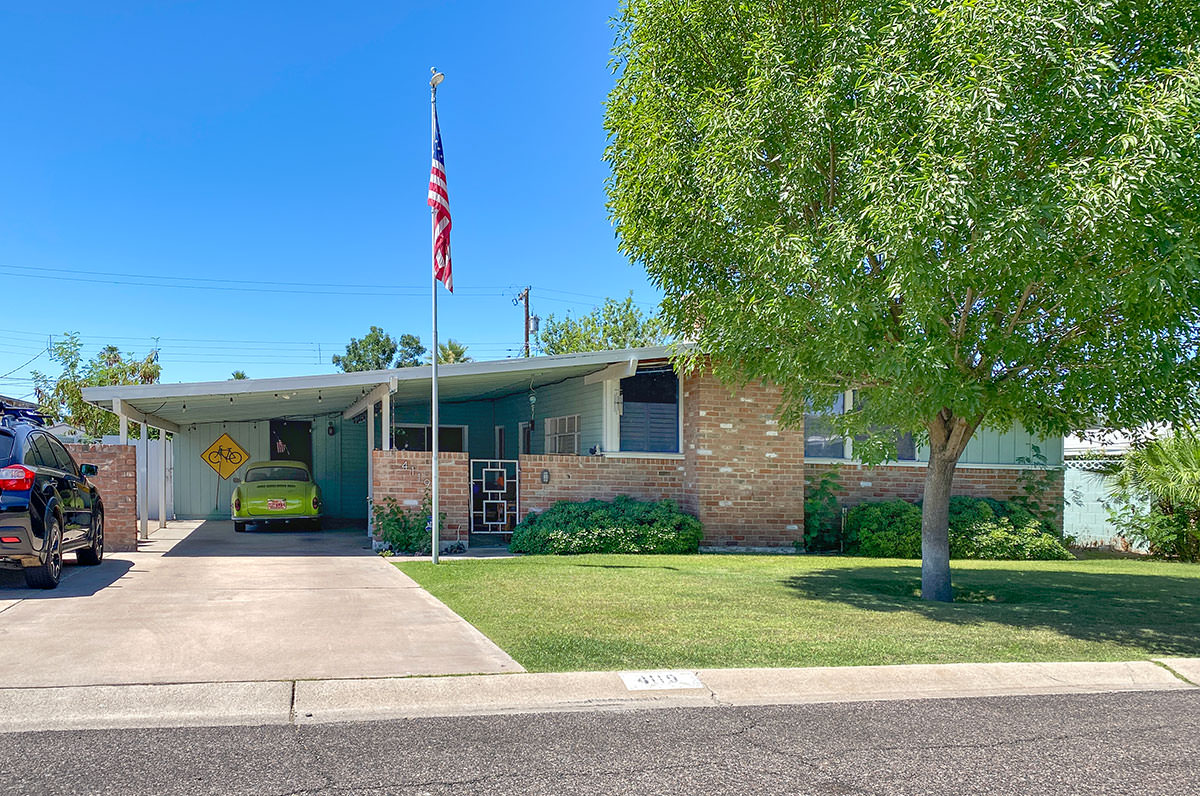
{"x": 339, "y": 466}
{"x": 1006, "y": 447}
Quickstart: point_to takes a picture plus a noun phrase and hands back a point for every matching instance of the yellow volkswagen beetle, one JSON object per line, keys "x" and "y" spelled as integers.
{"x": 276, "y": 493}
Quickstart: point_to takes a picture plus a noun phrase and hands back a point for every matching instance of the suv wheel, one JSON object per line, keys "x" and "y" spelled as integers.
{"x": 94, "y": 553}
{"x": 46, "y": 575}
{"x": 239, "y": 526}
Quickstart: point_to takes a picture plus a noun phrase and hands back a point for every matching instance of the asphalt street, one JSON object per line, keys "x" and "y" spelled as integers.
{"x": 1130, "y": 743}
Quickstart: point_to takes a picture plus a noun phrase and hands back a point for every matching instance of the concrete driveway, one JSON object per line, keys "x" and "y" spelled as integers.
{"x": 200, "y": 603}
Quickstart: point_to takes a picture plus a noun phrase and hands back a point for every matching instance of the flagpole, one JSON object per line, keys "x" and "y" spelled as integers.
{"x": 433, "y": 520}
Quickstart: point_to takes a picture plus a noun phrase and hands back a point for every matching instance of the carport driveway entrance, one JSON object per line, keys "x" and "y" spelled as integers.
{"x": 200, "y": 603}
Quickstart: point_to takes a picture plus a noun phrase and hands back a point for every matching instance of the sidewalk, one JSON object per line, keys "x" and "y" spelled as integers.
{"x": 322, "y": 701}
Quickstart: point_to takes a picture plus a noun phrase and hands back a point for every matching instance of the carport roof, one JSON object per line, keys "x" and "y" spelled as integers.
{"x": 168, "y": 405}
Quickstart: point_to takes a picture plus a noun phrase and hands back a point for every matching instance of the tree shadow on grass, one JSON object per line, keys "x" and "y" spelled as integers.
{"x": 1153, "y": 614}
{"x": 626, "y": 566}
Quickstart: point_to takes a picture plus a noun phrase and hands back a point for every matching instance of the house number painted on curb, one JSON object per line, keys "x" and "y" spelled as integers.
{"x": 660, "y": 680}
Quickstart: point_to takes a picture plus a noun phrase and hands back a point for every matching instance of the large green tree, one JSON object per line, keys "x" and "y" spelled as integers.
{"x": 615, "y": 324}
{"x": 975, "y": 212}
{"x": 377, "y": 349}
{"x": 61, "y": 397}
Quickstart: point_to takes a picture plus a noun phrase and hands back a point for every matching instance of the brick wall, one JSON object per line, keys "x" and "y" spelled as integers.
{"x": 745, "y": 471}
{"x": 406, "y": 476}
{"x": 588, "y": 477}
{"x": 868, "y": 484}
{"x": 117, "y": 484}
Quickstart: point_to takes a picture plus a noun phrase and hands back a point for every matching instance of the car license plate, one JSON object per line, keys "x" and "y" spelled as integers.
{"x": 277, "y": 505}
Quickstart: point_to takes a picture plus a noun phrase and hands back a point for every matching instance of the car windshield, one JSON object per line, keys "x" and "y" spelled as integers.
{"x": 276, "y": 474}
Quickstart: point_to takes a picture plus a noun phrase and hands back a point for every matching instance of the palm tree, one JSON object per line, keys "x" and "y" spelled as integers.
{"x": 452, "y": 352}
{"x": 1166, "y": 472}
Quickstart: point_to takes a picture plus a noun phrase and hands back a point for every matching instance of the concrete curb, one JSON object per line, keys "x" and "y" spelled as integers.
{"x": 323, "y": 701}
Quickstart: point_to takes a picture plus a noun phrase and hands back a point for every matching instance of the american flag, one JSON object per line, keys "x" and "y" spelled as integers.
{"x": 439, "y": 200}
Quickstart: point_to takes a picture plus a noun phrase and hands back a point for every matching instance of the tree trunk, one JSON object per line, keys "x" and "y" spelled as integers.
{"x": 948, "y": 437}
{"x": 935, "y": 528}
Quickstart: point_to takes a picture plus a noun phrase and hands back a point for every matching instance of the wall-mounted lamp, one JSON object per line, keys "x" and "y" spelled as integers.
{"x": 332, "y": 430}
{"x": 545, "y": 476}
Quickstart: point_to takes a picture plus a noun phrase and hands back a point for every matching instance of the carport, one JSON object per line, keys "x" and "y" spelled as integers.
{"x": 333, "y": 421}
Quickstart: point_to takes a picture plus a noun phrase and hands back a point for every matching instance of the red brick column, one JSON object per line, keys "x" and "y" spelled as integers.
{"x": 117, "y": 484}
{"x": 598, "y": 477}
{"x": 745, "y": 471}
{"x": 407, "y": 476}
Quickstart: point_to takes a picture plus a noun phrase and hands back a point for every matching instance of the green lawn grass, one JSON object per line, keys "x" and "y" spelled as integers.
{"x": 601, "y": 612}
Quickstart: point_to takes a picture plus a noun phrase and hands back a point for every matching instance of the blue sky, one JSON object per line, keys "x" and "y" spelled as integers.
{"x": 248, "y": 149}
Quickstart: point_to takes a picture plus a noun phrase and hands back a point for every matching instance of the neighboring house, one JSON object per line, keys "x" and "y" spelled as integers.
{"x": 17, "y": 402}
{"x": 519, "y": 434}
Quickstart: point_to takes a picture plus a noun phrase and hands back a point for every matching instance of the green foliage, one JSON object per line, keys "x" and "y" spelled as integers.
{"x": 410, "y": 352}
{"x": 979, "y": 528}
{"x": 822, "y": 526}
{"x": 884, "y": 529}
{"x": 376, "y": 349}
{"x": 623, "y": 525}
{"x": 451, "y": 352}
{"x": 61, "y": 398}
{"x": 613, "y": 325}
{"x": 239, "y": 375}
{"x": 1156, "y": 496}
{"x": 405, "y": 531}
{"x": 976, "y": 212}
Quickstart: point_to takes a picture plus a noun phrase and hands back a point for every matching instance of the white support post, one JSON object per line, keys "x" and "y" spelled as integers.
{"x": 142, "y": 485}
{"x": 124, "y": 430}
{"x": 386, "y": 425}
{"x": 162, "y": 478}
{"x": 371, "y": 470}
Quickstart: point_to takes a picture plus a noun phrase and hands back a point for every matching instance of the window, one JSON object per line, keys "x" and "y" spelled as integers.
{"x": 499, "y": 442}
{"x": 276, "y": 474}
{"x": 38, "y": 452}
{"x": 525, "y": 438}
{"x": 562, "y": 435}
{"x": 65, "y": 462}
{"x": 649, "y": 409}
{"x": 451, "y": 439}
{"x": 821, "y": 440}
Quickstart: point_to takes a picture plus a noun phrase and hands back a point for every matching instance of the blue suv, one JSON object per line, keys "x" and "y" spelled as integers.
{"x": 47, "y": 505}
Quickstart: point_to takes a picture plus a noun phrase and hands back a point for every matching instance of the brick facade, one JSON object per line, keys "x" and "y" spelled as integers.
{"x": 603, "y": 478}
{"x": 741, "y": 473}
{"x": 860, "y": 484}
{"x": 407, "y": 475}
{"x": 745, "y": 471}
{"x": 117, "y": 484}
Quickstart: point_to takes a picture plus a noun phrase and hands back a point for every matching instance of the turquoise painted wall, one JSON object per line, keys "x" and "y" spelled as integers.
{"x": 1006, "y": 447}
{"x": 481, "y": 417}
{"x": 339, "y": 466}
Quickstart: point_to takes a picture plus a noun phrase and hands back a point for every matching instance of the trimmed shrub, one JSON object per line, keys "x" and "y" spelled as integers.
{"x": 979, "y": 528}
{"x": 885, "y": 529}
{"x": 623, "y": 525}
{"x": 822, "y": 531}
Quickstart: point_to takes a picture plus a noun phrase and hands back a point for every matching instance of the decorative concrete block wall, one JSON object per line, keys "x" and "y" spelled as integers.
{"x": 598, "y": 477}
{"x": 407, "y": 476}
{"x": 745, "y": 472}
{"x": 117, "y": 484}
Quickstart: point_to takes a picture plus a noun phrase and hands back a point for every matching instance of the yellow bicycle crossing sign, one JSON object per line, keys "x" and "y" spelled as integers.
{"x": 225, "y": 456}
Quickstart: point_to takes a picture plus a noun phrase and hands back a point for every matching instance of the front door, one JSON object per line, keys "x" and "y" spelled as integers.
{"x": 291, "y": 440}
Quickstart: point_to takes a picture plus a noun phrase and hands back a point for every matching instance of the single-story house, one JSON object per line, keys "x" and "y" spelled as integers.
{"x": 517, "y": 435}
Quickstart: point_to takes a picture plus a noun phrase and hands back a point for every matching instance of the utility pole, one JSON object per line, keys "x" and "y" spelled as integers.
{"x": 524, "y": 296}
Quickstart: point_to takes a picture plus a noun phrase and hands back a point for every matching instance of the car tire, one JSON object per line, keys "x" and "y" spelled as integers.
{"x": 47, "y": 574}
{"x": 316, "y": 524}
{"x": 93, "y": 554}
{"x": 239, "y": 527}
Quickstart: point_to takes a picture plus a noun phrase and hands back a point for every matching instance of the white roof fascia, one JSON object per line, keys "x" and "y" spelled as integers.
{"x": 371, "y": 378}
{"x": 621, "y": 370}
